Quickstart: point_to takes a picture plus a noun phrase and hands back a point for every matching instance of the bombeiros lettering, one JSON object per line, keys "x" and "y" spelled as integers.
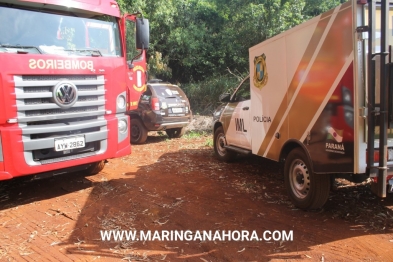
{"x": 262, "y": 119}
{"x": 67, "y": 64}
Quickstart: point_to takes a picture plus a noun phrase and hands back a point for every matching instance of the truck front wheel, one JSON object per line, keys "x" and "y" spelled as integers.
{"x": 95, "y": 168}
{"x": 219, "y": 144}
{"x": 306, "y": 189}
{"x": 138, "y": 132}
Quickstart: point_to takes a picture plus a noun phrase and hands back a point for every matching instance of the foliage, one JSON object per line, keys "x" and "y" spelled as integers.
{"x": 195, "y": 42}
{"x": 316, "y": 7}
{"x": 209, "y": 142}
{"x": 159, "y": 66}
{"x": 204, "y": 95}
{"x": 195, "y": 134}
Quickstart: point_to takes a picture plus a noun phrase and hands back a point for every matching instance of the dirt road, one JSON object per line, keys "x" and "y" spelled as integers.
{"x": 178, "y": 185}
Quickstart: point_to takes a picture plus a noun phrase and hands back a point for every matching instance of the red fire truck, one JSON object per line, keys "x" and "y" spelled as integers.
{"x": 67, "y": 72}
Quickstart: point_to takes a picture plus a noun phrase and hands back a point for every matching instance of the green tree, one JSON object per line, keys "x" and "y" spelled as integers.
{"x": 316, "y": 7}
{"x": 197, "y": 42}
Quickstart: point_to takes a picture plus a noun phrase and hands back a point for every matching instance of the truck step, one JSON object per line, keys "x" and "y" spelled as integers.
{"x": 238, "y": 150}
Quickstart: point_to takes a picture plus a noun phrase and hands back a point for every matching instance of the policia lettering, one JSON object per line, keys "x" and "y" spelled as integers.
{"x": 263, "y": 119}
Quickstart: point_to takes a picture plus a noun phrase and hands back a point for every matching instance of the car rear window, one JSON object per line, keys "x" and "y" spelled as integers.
{"x": 167, "y": 91}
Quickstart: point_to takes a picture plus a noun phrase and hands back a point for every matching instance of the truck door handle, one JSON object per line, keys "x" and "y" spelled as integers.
{"x": 246, "y": 108}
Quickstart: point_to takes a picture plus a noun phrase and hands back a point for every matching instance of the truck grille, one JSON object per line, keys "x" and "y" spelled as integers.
{"x": 42, "y": 120}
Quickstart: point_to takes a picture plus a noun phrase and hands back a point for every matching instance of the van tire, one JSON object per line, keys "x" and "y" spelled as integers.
{"x": 175, "y": 132}
{"x": 306, "y": 189}
{"x": 219, "y": 142}
{"x": 95, "y": 168}
{"x": 138, "y": 132}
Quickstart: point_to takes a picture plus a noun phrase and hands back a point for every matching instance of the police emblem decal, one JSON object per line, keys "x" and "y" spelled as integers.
{"x": 260, "y": 71}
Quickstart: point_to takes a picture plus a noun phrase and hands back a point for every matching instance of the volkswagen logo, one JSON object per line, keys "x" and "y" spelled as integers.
{"x": 65, "y": 94}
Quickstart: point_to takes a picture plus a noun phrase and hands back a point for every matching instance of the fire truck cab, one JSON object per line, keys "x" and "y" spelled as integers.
{"x": 66, "y": 76}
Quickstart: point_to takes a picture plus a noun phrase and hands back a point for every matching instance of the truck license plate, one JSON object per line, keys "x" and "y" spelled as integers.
{"x": 177, "y": 110}
{"x": 68, "y": 143}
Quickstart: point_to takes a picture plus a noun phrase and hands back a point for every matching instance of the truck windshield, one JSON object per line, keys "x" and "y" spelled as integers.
{"x": 46, "y": 33}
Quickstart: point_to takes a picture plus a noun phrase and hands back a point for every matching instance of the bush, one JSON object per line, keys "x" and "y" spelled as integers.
{"x": 204, "y": 95}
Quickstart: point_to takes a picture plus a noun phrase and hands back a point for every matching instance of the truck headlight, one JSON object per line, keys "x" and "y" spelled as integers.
{"x": 121, "y": 102}
{"x": 122, "y": 126}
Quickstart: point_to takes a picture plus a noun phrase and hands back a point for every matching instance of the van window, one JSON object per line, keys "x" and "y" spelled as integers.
{"x": 243, "y": 92}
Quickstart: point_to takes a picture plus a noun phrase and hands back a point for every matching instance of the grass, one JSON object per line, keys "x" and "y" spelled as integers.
{"x": 193, "y": 134}
{"x": 209, "y": 142}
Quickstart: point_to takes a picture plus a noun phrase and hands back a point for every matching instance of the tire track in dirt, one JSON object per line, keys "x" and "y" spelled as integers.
{"x": 179, "y": 185}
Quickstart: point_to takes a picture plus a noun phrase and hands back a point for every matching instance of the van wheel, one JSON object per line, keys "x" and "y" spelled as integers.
{"x": 175, "y": 132}
{"x": 138, "y": 132}
{"x": 306, "y": 189}
{"x": 219, "y": 142}
{"x": 95, "y": 168}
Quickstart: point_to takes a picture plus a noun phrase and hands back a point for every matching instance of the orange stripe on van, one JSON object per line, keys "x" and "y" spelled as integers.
{"x": 310, "y": 50}
{"x": 329, "y": 62}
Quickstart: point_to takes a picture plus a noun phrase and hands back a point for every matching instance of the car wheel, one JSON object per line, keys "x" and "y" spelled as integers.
{"x": 306, "y": 189}
{"x": 175, "y": 132}
{"x": 219, "y": 142}
{"x": 95, "y": 168}
{"x": 138, "y": 132}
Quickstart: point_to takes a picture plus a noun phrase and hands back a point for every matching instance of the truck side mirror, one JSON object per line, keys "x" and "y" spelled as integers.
{"x": 130, "y": 65}
{"x": 142, "y": 33}
{"x": 225, "y": 98}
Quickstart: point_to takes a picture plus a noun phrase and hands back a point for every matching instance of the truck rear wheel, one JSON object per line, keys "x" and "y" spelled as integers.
{"x": 306, "y": 189}
{"x": 138, "y": 132}
{"x": 175, "y": 132}
{"x": 95, "y": 168}
{"x": 219, "y": 142}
